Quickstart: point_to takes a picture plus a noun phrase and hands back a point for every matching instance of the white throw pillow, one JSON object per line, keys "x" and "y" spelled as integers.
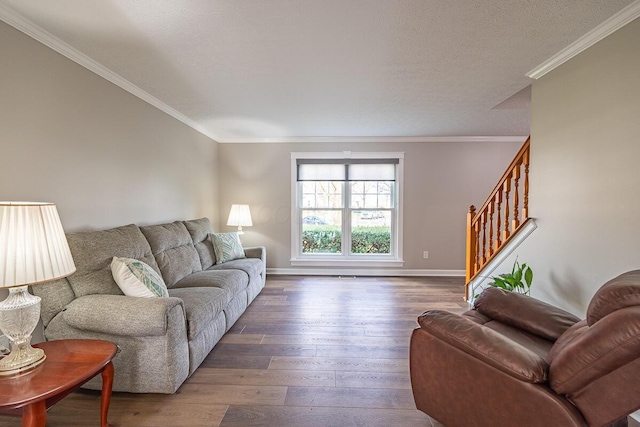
{"x": 227, "y": 247}
{"x": 136, "y": 279}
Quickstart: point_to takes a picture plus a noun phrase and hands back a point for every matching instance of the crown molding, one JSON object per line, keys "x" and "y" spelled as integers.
{"x": 22, "y": 24}
{"x": 370, "y": 139}
{"x": 617, "y": 21}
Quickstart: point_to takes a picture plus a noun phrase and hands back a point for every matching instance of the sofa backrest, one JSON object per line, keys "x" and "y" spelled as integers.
{"x": 600, "y": 356}
{"x": 93, "y": 251}
{"x": 173, "y": 250}
{"x": 200, "y": 229}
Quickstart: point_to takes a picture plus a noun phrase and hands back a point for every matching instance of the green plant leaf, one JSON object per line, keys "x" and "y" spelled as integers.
{"x": 528, "y": 277}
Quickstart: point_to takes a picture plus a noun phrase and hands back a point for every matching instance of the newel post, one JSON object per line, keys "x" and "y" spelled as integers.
{"x": 471, "y": 247}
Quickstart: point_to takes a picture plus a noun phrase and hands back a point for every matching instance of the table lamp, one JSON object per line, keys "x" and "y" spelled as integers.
{"x": 240, "y": 216}
{"x": 33, "y": 249}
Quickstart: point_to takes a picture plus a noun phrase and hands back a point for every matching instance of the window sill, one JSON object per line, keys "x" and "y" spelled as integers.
{"x": 344, "y": 262}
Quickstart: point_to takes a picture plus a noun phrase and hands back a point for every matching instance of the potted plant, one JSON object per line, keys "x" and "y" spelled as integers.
{"x": 519, "y": 280}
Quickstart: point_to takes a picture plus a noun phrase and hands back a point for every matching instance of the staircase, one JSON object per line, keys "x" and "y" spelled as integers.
{"x": 501, "y": 218}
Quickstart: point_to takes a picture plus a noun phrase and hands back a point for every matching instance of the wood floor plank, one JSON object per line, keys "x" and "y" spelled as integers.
{"x": 302, "y": 330}
{"x": 347, "y": 397}
{"x": 339, "y": 364}
{"x": 233, "y": 350}
{"x": 339, "y": 340}
{"x": 237, "y": 362}
{"x": 243, "y": 339}
{"x": 261, "y": 416}
{"x": 231, "y": 394}
{"x": 264, "y": 377}
{"x": 400, "y": 380}
{"x": 360, "y": 351}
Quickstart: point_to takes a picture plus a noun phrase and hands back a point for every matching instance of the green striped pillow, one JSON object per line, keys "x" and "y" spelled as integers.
{"x": 227, "y": 247}
{"x": 136, "y": 279}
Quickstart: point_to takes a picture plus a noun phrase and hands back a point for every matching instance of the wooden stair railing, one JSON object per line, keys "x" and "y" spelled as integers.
{"x": 491, "y": 227}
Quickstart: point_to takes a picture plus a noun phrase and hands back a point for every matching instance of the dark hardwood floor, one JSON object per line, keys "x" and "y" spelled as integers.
{"x": 309, "y": 351}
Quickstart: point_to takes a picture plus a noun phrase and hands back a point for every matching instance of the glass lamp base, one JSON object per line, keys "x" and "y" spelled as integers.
{"x": 19, "y": 315}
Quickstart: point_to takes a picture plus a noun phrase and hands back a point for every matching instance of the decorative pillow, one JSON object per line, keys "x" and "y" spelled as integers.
{"x": 137, "y": 279}
{"x": 227, "y": 247}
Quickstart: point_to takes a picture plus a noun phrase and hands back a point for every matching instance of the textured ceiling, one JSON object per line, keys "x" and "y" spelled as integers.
{"x": 257, "y": 69}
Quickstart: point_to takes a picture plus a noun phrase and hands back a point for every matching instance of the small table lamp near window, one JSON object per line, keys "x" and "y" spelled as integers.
{"x": 33, "y": 249}
{"x": 240, "y": 216}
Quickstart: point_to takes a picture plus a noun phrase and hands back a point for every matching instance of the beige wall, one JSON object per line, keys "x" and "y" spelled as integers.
{"x": 585, "y": 148}
{"x": 105, "y": 157}
{"x": 441, "y": 181}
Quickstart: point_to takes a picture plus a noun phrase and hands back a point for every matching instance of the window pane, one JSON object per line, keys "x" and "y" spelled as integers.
{"x": 321, "y": 231}
{"x": 371, "y": 194}
{"x": 371, "y": 232}
{"x": 322, "y": 194}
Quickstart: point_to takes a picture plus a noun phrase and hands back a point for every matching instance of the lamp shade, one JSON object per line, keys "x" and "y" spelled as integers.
{"x": 33, "y": 247}
{"x": 240, "y": 216}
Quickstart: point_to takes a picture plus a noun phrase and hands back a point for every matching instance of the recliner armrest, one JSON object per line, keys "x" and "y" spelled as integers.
{"x": 121, "y": 315}
{"x": 486, "y": 345}
{"x": 524, "y": 312}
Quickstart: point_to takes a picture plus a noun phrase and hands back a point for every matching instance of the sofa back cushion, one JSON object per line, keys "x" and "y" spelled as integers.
{"x": 93, "y": 251}
{"x": 200, "y": 229}
{"x": 173, "y": 250}
{"x": 620, "y": 292}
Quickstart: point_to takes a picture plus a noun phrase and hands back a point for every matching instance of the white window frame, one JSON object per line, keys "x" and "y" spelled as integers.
{"x": 345, "y": 260}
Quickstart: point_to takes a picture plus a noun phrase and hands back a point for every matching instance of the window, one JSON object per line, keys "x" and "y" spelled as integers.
{"x": 346, "y": 208}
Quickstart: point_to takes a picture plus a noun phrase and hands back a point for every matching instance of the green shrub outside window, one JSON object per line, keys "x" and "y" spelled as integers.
{"x": 364, "y": 240}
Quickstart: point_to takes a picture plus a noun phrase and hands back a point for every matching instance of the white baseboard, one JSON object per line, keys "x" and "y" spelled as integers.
{"x": 363, "y": 272}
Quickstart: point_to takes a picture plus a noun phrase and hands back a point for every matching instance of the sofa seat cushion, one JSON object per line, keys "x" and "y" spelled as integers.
{"x": 231, "y": 281}
{"x": 252, "y": 266}
{"x": 173, "y": 250}
{"x": 538, "y": 345}
{"x": 202, "y": 305}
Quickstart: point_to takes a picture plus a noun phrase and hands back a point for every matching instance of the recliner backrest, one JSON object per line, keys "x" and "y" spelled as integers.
{"x": 596, "y": 362}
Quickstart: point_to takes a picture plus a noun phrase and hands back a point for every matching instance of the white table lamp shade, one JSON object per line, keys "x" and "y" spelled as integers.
{"x": 33, "y": 246}
{"x": 240, "y": 216}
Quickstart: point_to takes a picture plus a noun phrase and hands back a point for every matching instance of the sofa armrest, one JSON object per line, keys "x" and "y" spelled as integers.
{"x": 121, "y": 315}
{"x": 524, "y": 312}
{"x": 256, "y": 252}
{"x": 486, "y": 345}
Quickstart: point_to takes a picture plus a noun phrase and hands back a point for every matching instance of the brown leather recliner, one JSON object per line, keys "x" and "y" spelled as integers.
{"x": 517, "y": 361}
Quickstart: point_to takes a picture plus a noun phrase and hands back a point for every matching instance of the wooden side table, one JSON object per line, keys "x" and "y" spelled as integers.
{"x": 69, "y": 364}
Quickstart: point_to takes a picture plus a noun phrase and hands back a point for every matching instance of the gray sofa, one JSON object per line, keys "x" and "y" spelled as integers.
{"x": 162, "y": 340}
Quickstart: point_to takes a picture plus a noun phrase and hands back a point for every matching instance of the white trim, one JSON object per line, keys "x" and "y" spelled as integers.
{"x": 347, "y": 262}
{"x": 346, "y": 155}
{"x": 363, "y": 272}
{"x": 32, "y": 30}
{"x": 617, "y": 21}
{"x": 476, "y": 285}
{"x": 370, "y": 139}
{"x": 299, "y": 259}
{"x": 636, "y": 416}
